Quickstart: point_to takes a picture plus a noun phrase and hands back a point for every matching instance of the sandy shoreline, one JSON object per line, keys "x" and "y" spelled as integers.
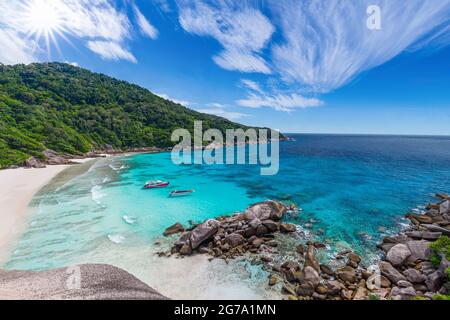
{"x": 17, "y": 187}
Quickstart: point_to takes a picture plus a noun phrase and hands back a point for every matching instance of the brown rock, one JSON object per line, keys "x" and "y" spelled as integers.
{"x": 390, "y": 272}
{"x": 346, "y": 274}
{"x": 176, "y": 228}
{"x": 186, "y": 249}
{"x": 326, "y": 269}
{"x": 420, "y": 218}
{"x": 322, "y": 289}
{"x": 319, "y": 245}
{"x": 354, "y": 257}
{"x": 346, "y": 294}
{"x": 289, "y": 289}
{"x": 257, "y": 242}
{"x": 287, "y": 227}
{"x": 204, "y": 232}
{"x": 266, "y": 210}
{"x": 234, "y": 240}
{"x": 310, "y": 259}
{"x": 291, "y": 265}
{"x": 361, "y": 293}
{"x": 273, "y": 280}
{"x": 300, "y": 249}
{"x": 334, "y": 287}
{"x": 310, "y": 276}
{"x": 261, "y": 230}
{"x": 271, "y": 225}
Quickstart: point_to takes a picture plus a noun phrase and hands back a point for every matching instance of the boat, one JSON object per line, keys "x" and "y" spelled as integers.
{"x": 179, "y": 193}
{"x": 156, "y": 184}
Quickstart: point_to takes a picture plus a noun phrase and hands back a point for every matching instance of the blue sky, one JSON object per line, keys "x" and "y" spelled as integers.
{"x": 298, "y": 66}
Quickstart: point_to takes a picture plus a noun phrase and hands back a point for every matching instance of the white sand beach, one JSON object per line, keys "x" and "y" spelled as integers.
{"x": 17, "y": 187}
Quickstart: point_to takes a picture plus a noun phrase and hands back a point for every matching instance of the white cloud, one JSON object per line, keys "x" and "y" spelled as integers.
{"x": 163, "y": 5}
{"x": 279, "y": 101}
{"x": 146, "y": 27}
{"x": 14, "y": 49}
{"x": 182, "y": 102}
{"x": 252, "y": 85}
{"x": 75, "y": 64}
{"x": 110, "y": 51}
{"x": 242, "y": 31}
{"x": 326, "y": 42}
{"x": 33, "y": 27}
{"x": 230, "y": 115}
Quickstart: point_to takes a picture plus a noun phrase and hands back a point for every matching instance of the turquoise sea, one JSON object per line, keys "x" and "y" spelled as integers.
{"x": 348, "y": 186}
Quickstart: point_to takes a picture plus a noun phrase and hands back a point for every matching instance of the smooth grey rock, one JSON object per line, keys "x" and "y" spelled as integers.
{"x": 426, "y": 235}
{"x": 234, "y": 239}
{"x": 398, "y": 254}
{"x": 203, "y": 232}
{"x": 309, "y": 275}
{"x": 403, "y": 293}
{"x": 435, "y": 228}
{"x": 97, "y": 282}
{"x": 404, "y": 284}
{"x": 414, "y": 276}
{"x": 265, "y": 210}
{"x": 420, "y": 250}
{"x": 435, "y": 280}
{"x": 444, "y": 207}
{"x": 390, "y": 272}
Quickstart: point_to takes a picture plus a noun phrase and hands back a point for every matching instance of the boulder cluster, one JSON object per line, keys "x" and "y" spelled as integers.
{"x": 409, "y": 263}
{"x": 228, "y": 237}
{"x": 405, "y": 270}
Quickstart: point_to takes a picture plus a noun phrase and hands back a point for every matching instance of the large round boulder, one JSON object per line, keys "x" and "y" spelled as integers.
{"x": 265, "y": 210}
{"x": 398, "y": 254}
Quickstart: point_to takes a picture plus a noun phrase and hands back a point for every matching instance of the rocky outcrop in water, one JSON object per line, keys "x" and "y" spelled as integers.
{"x": 83, "y": 282}
{"x": 228, "y": 237}
{"x": 406, "y": 270}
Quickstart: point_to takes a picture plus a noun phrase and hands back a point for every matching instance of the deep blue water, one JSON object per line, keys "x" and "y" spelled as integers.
{"x": 347, "y": 186}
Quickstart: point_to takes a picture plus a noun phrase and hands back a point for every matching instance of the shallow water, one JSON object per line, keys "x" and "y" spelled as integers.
{"x": 347, "y": 186}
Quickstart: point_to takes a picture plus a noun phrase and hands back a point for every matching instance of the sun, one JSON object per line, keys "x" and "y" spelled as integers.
{"x": 43, "y": 19}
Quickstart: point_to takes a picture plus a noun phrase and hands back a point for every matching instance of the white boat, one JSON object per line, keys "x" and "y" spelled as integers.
{"x": 180, "y": 193}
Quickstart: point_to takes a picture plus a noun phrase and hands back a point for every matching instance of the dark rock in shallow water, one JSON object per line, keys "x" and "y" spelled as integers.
{"x": 97, "y": 282}
{"x": 176, "y": 228}
{"x": 287, "y": 227}
{"x": 326, "y": 269}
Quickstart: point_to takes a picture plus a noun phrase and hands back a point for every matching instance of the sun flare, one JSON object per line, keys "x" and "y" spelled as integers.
{"x": 43, "y": 19}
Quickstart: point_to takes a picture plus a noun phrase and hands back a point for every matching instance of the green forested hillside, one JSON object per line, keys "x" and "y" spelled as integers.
{"x": 71, "y": 110}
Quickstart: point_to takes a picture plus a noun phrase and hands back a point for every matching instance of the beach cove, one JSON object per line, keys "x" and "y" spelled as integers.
{"x": 347, "y": 188}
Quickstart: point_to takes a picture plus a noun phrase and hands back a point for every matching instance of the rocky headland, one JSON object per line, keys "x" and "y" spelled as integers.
{"x": 82, "y": 282}
{"x": 413, "y": 264}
